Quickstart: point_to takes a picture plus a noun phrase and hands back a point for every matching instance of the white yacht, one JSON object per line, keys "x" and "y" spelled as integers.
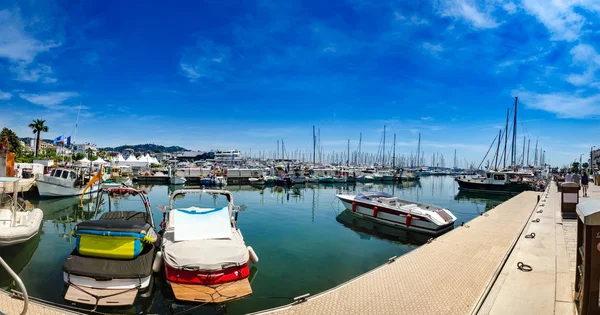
{"x": 64, "y": 182}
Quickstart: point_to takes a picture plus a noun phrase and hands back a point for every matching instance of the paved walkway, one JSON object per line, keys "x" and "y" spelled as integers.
{"x": 448, "y": 276}
{"x": 12, "y": 306}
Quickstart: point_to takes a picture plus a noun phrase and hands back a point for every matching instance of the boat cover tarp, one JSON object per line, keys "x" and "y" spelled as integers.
{"x": 201, "y": 224}
{"x": 104, "y": 268}
{"x": 126, "y": 215}
{"x": 113, "y": 226}
{"x": 206, "y": 254}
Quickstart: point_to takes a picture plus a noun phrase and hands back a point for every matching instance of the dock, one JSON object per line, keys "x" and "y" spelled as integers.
{"x": 471, "y": 269}
{"x": 10, "y": 305}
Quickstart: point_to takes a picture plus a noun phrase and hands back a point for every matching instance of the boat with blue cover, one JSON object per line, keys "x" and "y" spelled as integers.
{"x": 112, "y": 262}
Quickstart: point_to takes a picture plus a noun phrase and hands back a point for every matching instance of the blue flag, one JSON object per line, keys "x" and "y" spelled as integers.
{"x": 57, "y": 140}
{"x": 68, "y": 140}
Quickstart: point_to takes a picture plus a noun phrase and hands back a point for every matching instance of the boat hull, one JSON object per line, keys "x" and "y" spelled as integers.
{"x": 49, "y": 190}
{"x": 394, "y": 217}
{"x": 177, "y": 180}
{"x": 12, "y": 235}
{"x": 509, "y": 188}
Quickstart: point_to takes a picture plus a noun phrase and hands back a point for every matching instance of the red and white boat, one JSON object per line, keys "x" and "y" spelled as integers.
{"x": 388, "y": 209}
{"x": 205, "y": 256}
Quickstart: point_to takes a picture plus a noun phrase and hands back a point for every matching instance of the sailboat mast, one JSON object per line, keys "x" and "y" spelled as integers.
{"x": 383, "y": 149}
{"x": 394, "y": 154}
{"x": 314, "y": 147}
{"x": 77, "y": 123}
{"x": 498, "y": 149}
{"x": 528, "y": 149}
{"x": 523, "y": 155}
{"x": 506, "y": 136}
{"x": 359, "y": 148}
{"x": 514, "y": 150}
{"x": 419, "y": 151}
{"x": 535, "y": 156}
{"x": 348, "y": 160}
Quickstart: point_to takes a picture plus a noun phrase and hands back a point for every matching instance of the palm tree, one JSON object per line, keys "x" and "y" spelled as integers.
{"x": 38, "y": 126}
{"x": 89, "y": 152}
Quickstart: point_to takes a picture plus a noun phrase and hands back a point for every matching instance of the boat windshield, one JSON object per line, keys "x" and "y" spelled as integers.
{"x": 371, "y": 195}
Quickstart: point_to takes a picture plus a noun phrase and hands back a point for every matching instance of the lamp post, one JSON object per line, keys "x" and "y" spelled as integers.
{"x": 580, "y": 161}
{"x": 592, "y": 159}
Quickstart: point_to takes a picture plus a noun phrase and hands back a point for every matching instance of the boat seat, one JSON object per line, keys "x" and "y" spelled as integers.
{"x": 106, "y": 268}
{"x": 126, "y": 215}
{"x": 113, "y": 225}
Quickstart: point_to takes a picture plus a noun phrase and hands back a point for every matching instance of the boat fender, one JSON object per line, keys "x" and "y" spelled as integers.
{"x": 253, "y": 256}
{"x": 375, "y": 211}
{"x": 157, "y": 263}
{"x": 408, "y": 219}
{"x": 353, "y": 206}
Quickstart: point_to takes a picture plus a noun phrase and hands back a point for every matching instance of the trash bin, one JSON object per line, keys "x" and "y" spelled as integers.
{"x": 587, "y": 273}
{"x": 569, "y": 200}
{"x": 559, "y": 180}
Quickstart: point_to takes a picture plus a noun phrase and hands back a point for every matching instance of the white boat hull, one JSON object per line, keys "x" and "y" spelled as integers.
{"x": 177, "y": 180}
{"x": 49, "y": 190}
{"x": 28, "y": 226}
{"x": 395, "y": 218}
{"x": 114, "y": 284}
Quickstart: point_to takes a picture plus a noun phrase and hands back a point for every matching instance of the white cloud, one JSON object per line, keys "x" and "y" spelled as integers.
{"x": 16, "y": 44}
{"x": 564, "y": 105}
{"x": 560, "y": 16}
{"x": 468, "y": 11}
{"x": 205, "y": 60}
{"x": 433, "y": 49}
{"x": 586, "y": 56}
{"x": 427, "y": 118}
{"x": 5, "y": 96}
{"x": 32, "y": 72}
{"x": 509, "y": 7}
{"x": 50, "y": 100}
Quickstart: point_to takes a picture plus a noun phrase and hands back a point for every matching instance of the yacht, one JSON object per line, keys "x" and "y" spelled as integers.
{"x": 17, "y": 225}
{"x": 503, "y": 182}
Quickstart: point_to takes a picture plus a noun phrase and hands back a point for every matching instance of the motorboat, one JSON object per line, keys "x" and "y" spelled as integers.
{"x": 17, "y": 225}
{"x": 503, "y": 182}
{"x": 113, "y": 183}
{"x": 220, "y": 181}
{"x": 365, "y": 178}
{"x": 205, "y": 257}
{"x": 298, "y": 179}
{"x": 312, "y": 179}
{"x": 64, "y": 182}
{"x": 388, "y": 209}
{"x": 177, "y": 180}
{"x": 339, "y": 179}
{"x": 112, "y": 263}
{"x": 269, "y": 180}
{"x": 377, "y": 177}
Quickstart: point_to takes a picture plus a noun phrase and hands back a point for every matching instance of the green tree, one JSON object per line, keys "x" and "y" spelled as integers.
{"x": 585, "y": 165}
{"x": 78, "y": 156}
{"x": 38, "y": 126}
{"x": 14, "y": 144}
{"x": 89, "y": 153}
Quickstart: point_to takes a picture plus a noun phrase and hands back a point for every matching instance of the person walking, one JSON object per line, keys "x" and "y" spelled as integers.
{"x": 585, "y": 180}
{"x": 18, "y": 172}
{"x": 576, "y": 179}
{"x": 569, "y": 177}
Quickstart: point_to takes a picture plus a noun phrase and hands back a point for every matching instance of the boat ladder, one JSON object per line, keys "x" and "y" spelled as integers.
{"x": 23, "y": 292}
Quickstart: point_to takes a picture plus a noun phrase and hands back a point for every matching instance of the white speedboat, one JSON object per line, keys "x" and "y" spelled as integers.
{"x": 256, "y": 181}
{"x": 113, "y": 259}
{"x": 220, "y": 181}
{"x": 16, "y": 224}
{"x": 205, "y": 257}
{"x": 389, "y": 209}
{"x": 63, "y": 182}
{"x": 175, "y": 180}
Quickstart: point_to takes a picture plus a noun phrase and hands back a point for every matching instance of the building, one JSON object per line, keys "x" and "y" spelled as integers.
{"x": 83, "y": 147}
{"x": 596, "y": 158}
{"x": 230, "y": 157}
{"x": 128, "y": 152}
{"x": 191, "y": 156}
{"x": 43, "y": 145}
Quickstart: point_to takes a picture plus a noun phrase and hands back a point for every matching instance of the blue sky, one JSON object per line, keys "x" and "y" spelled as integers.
{"x": 244, "y": 74}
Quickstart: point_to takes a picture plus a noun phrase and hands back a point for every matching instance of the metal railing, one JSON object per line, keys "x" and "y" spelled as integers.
{"x": 19, "y": 284}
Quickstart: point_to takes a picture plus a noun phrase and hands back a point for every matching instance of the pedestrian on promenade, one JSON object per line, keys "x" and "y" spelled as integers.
{"x": 569, "y": 177}
{"x": 576, "y": 179}
{"x": 585, "y": 180}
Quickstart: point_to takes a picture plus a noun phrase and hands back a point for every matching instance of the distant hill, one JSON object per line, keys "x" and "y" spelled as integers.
{"x": 148, "y": 147}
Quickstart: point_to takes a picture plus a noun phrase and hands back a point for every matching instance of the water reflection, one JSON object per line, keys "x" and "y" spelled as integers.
{"x": 366, "y": 228}
{"x": 17, "y": 257}
{"x": 490, "y": 200}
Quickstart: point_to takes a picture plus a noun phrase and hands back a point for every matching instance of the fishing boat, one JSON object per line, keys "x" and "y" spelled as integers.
{"x": 113, "y": 259}
{"x": 64, "y": 182}
{"x": 501, "y": 182}
{"x": 17, "y": 225}
{"x": 177, "y": 180}
{"x": 388, "y": 209}
{"x": 205, "y": 257}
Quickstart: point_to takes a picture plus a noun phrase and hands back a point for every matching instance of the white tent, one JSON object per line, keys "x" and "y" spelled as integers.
{"x": 83, "y": 161}
{"x": 131, "y": 158}
{"x": 119, "y": 158}
{"x": 99, "y": 161}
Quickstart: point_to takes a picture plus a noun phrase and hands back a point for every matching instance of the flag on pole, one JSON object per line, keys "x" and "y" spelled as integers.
{"x": 68, "y": 141}
{"x": 58, "y": 139}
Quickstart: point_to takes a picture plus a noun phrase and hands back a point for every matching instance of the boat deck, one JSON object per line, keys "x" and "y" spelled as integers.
{"x": 450, "y": 275}
{"x": 13, "y": 306}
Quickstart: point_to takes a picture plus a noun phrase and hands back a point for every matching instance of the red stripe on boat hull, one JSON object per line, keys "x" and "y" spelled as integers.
{"x": 203, "y": 277}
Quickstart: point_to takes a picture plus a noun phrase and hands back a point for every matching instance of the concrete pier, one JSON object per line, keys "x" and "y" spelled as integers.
{"x": 472, "y": 269}
{"x": 13, "y": 306}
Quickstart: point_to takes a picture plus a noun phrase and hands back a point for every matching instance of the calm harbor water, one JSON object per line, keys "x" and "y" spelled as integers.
{"x": 305, "y": 241}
